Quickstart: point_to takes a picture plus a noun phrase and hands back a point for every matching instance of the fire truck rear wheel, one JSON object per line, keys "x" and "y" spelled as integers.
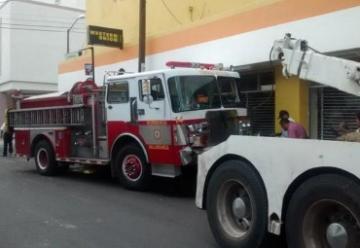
{"x": 132, "y": 168}
{"x": 237, "y": 206}
{"x": 45, "y": 158}
{"x": 324, "y": 212}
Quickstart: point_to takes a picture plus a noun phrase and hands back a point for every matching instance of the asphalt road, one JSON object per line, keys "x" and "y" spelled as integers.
{"x": 82, "y": 210}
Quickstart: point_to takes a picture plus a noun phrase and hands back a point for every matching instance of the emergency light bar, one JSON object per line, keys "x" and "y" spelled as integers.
{"x": 175, "y": 64}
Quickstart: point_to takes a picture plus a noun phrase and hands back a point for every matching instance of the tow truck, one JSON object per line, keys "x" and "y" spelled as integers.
{"x": 308, "y": 190}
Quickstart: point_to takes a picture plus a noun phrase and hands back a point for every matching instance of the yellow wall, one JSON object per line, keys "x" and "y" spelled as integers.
{"x": 173, "y": 24}
{"x": 292, "y": 95}
{"x": 163, "y": 16}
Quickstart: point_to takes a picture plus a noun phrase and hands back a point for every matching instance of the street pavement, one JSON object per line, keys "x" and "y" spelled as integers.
{"x": 92, "y": 210}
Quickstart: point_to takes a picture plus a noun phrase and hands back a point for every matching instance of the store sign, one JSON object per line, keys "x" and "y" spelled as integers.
{"x": 105, "y": 36}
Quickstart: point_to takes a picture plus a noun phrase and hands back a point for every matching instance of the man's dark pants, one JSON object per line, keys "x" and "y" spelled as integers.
{"x": 7, "y": 143}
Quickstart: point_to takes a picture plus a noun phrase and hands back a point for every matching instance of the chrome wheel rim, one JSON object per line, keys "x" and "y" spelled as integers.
{"x": 330, "y": 224}
{"x": 132, "y": 167}
{"x": 235, "y": 209}
{"x": 42, "y": 158}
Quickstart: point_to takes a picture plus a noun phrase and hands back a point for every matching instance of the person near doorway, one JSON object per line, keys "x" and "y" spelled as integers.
{"x": 294, "y": 130}
{"x": 284, "y": 115}
{"x": 7, "y": 135}
{"x": 352, "y": 136}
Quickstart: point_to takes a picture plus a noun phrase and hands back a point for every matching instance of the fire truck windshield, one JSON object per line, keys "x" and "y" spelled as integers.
{"x": 190, "y": 93}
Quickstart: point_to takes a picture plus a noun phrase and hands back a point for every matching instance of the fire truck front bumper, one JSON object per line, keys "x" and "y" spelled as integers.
{"x": 189, "y": 155}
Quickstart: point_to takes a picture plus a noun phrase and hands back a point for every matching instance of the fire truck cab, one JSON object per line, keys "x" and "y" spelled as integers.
{"x": 141, "y": 124}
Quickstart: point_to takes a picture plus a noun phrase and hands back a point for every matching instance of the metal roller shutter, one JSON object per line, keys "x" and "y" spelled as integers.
{"x": 336, "y": 107}
{"x": 261, "y": 111}
{"x": 257, "y": 92}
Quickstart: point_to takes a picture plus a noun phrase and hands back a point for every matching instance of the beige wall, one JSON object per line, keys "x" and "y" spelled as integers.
{"x": 163, "y": 16}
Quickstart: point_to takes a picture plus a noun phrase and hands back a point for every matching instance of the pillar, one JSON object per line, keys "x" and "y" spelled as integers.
{"x": 291, "y": 94}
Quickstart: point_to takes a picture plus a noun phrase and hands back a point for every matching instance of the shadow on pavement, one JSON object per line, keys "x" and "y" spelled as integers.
{"x": 182, "y": 186}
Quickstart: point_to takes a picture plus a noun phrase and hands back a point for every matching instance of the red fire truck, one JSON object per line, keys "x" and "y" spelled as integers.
{"x": 140, "y": 124}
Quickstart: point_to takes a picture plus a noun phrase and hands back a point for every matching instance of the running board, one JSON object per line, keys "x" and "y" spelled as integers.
{"x": 93, "y": 161}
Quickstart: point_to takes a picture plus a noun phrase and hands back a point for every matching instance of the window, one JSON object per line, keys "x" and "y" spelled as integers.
{"x": 228, "y": 90}
{"x": 157, "y": 91}
{"x": 118, "y": 92}
{"x": 189, "y": 93}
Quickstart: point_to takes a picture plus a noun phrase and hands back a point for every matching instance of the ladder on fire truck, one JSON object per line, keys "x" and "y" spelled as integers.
{"x": 74, "y": 115}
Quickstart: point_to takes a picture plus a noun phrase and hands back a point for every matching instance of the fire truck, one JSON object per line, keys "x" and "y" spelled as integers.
{"x": 308, "y": 190}
{"x": 139, "y": 124}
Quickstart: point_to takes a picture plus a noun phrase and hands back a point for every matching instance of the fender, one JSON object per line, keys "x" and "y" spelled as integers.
{"x": 133, "y": 137}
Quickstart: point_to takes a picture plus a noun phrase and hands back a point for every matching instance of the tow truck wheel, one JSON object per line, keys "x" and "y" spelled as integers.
{"x": 237, "y": 206}
{"x": 324, "y": 212}
{"x": 45, "y": 158}
{"x": 133, "y": 170}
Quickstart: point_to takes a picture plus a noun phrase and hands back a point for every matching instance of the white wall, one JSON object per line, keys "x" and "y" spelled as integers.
{"x": 80, "y": 4}
{"x": 5, "y": 59}
{"x": 34, "y": 54}
{"x": 330, "y": 32}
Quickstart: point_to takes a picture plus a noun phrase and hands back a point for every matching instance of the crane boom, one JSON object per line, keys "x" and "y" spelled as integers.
{"x": 299, "y": 59}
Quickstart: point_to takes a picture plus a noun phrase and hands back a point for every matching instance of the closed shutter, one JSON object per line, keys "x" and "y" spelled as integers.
{"x": 261, "y": 111}
{"x": 336, "y": 107}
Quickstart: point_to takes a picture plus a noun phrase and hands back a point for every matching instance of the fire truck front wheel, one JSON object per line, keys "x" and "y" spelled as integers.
{"x": 237, "y": 206}
{"x": 45, "y": 158}
{"x": 324, "y": 212}
{"x": 132, "y": 169}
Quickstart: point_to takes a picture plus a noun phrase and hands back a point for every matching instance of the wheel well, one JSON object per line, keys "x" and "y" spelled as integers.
{"x": 36, "y": 140}
{"x": 218, "y": 163}
{"x": 120, "y": 142}
{"x": 306, "y": 176}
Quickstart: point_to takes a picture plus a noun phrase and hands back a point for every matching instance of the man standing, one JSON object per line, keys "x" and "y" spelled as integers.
{"x": 352, "y": 136}
{"x": 7, "y": 134}
{"x": 284, "y": 114}
{"x": 294, "y": 130}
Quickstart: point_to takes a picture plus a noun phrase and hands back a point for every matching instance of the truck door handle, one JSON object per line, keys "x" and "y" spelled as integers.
{"x": 110, "y": 107}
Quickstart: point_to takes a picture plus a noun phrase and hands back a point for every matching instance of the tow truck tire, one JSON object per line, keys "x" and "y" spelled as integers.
{"x": 132, "y": 169}
{"x": 324, "y": 212}
{"x": 237, "y": 206}
{"x": 45, "y": 158}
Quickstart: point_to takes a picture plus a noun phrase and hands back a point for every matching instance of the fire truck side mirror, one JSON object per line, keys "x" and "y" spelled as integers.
{"x": 146, "y": 91}
{"x": 145, "y": 87}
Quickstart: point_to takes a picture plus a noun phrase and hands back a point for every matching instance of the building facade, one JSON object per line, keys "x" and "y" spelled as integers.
{"x": 238, "y": 33}
{"x": 79, "y": 4}
{"x": 32, "y": 43}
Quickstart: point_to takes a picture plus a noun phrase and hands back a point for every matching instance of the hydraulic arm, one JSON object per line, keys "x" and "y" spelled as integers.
{"x": 299, "y": 59}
